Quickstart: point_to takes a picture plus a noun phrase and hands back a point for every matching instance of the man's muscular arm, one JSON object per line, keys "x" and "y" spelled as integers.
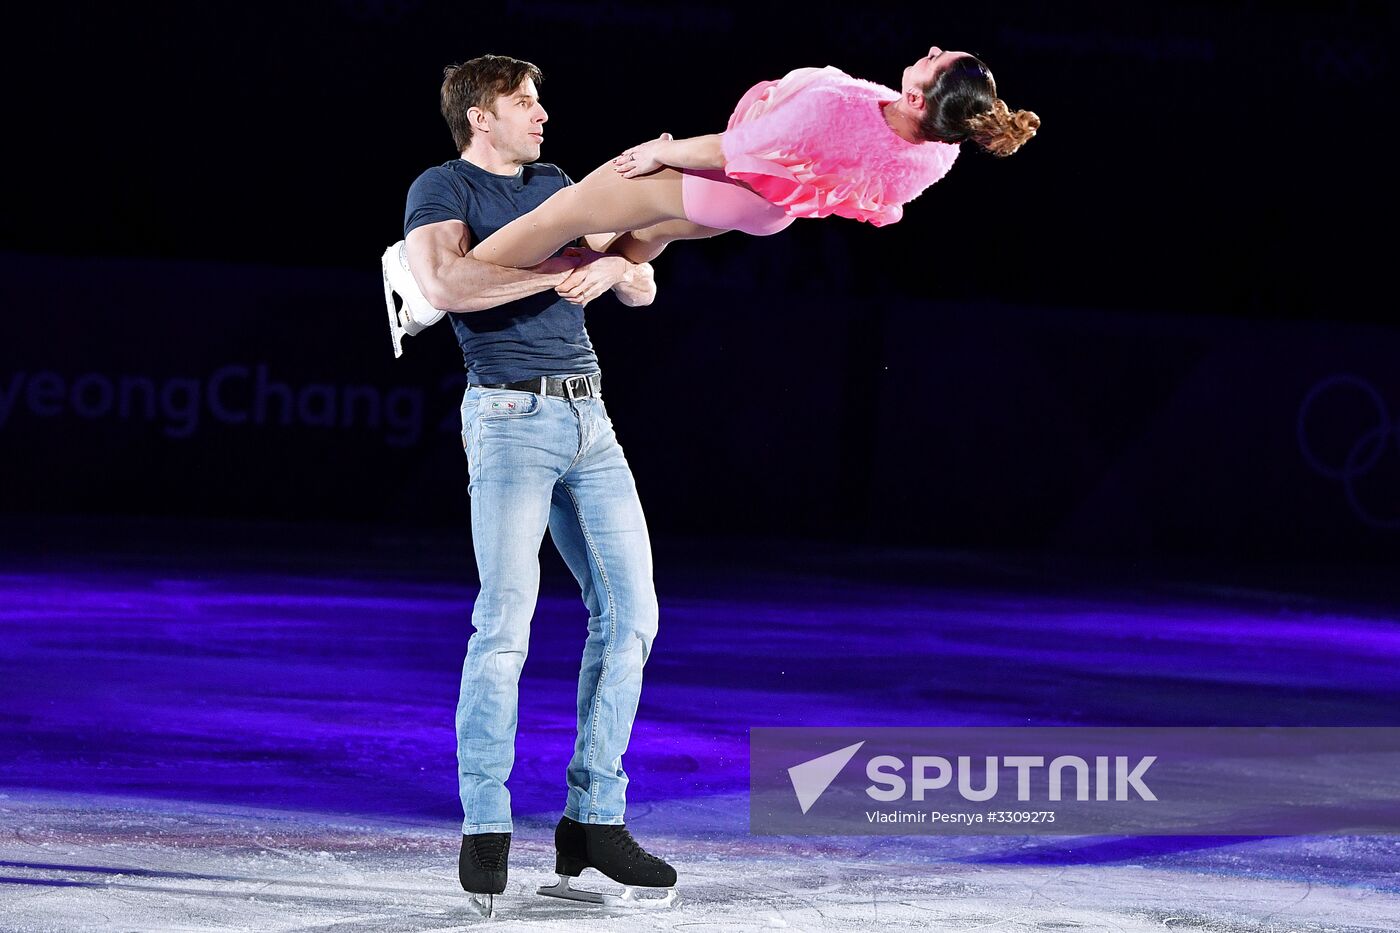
{"x": 453, "y": 281}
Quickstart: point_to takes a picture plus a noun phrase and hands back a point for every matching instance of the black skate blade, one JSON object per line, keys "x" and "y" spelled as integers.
{"x": 630, "y": 897}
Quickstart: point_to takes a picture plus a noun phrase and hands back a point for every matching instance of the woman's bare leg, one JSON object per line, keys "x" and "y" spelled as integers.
{"x": 646, "y": 244}
{"x": 604, "y": 202}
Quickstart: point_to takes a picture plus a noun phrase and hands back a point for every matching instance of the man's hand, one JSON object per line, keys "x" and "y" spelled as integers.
{"x": 595, "y": 273}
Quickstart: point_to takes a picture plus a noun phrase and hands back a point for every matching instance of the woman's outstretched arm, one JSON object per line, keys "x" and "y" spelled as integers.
{"x": 697, "y": 152}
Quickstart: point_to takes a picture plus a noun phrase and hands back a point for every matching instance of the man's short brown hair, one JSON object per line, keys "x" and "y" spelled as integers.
{"x": 478, "y": 83}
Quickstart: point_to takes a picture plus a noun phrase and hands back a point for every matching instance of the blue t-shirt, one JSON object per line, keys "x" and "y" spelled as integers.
{"x": 542, "y": 335}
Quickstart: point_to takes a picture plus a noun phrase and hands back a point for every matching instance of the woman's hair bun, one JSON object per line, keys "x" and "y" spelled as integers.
{"x": 1001, "y": 131}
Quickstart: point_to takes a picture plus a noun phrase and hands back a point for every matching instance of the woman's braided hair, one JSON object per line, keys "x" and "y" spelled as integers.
{"x": 963, "y": 104}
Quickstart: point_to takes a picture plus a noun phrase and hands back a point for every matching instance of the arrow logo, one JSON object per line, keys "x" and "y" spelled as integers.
{"x": 811, "y": 778}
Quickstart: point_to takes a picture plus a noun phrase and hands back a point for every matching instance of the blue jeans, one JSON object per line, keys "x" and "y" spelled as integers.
{"x": 538, "y": 461}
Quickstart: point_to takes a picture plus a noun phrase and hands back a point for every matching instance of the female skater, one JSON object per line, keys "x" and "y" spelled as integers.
{"x": 815, "y": 143}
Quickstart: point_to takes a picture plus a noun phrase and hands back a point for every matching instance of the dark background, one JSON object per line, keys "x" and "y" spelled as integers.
{"x": 1162, "y": 328}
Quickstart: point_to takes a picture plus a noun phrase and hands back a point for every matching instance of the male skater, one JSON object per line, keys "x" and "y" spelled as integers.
{"x": 540, "y": 451}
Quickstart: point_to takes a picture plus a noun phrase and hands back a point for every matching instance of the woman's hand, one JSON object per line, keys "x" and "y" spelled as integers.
{"x": 643, "y": 159}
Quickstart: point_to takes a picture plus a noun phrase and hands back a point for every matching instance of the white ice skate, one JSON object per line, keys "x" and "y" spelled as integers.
{"x": 630, "y": 896}
{"x": 415, "y": 313}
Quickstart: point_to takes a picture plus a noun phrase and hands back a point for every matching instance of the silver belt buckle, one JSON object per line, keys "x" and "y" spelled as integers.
{"x": 570, "y": 387}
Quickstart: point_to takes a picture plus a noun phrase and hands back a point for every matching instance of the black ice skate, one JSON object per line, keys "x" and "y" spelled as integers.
{"x": 611, "y": 850}
{"x": 481, "y": 867}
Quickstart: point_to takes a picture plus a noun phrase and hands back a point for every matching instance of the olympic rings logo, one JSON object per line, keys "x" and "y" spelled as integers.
{"x": 1363, "y": 453}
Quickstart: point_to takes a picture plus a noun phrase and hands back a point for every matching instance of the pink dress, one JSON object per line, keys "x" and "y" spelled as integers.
{"x": 816, "y": 143}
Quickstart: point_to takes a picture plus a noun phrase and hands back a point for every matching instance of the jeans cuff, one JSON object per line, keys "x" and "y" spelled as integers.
{"x": 471, "y": 829}
{"x": 578, "y": 817}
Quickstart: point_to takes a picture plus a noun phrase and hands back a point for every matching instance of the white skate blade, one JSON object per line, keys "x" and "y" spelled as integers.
{"x": 629, "y": 897}
{"x": 396, "y": 330}
{"x": 416, "y": 314}
{"x": 484, "y": 904}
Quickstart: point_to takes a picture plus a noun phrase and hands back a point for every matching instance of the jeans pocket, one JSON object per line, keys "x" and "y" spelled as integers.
{"x": 500, "y": 404}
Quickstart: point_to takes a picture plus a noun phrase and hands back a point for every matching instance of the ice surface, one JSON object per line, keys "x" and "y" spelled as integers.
{"x": 213, "y": 741}
{"x": 73, "y": 862}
